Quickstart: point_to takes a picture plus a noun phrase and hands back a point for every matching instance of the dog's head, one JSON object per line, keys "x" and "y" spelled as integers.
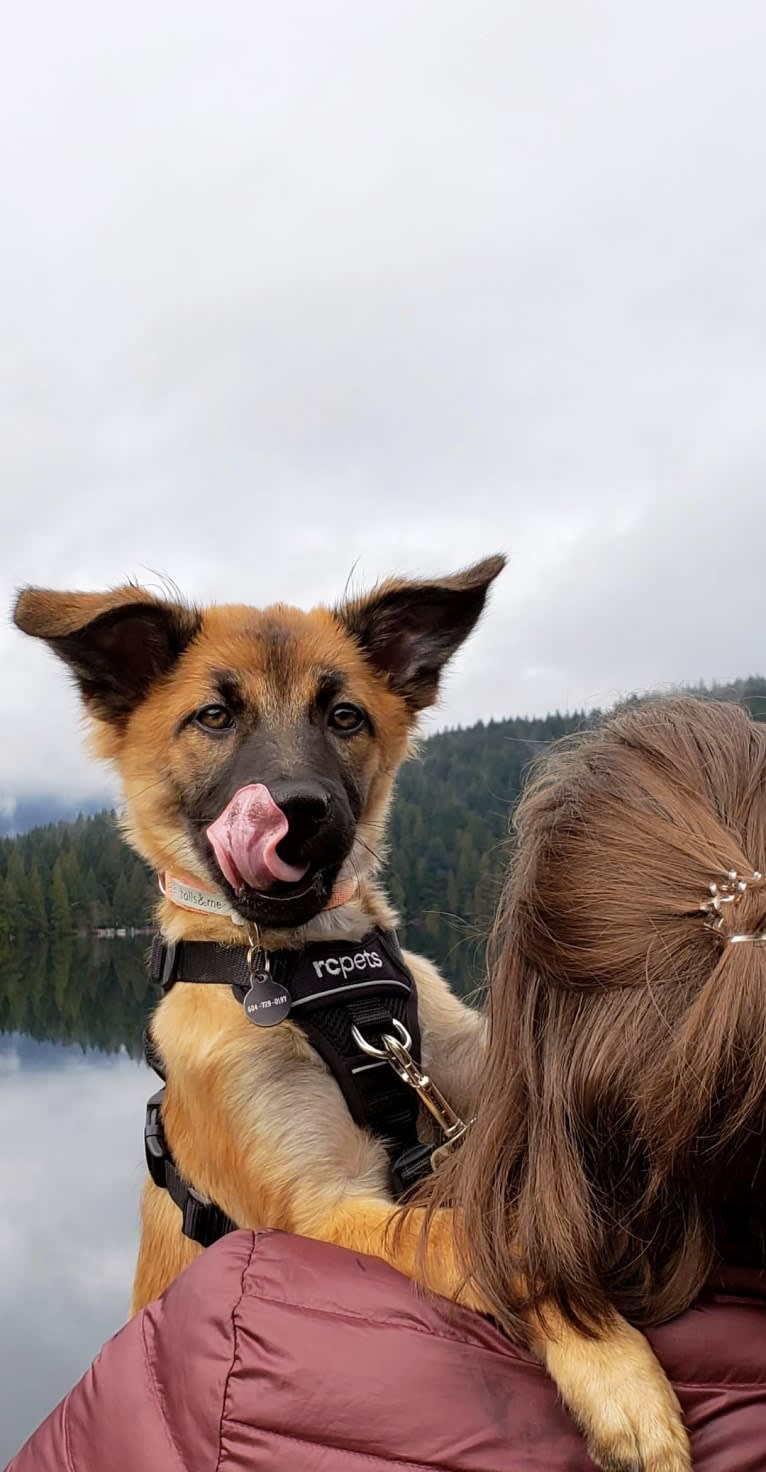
{"x": 257, "y": 749}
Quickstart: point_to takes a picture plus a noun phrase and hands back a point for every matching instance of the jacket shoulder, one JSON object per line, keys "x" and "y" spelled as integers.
{"x": 341, "y": 1362}
{"x": 158, "y": 1385}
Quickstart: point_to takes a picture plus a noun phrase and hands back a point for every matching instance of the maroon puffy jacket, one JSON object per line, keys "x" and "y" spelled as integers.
{"x": 277, "y": 1352}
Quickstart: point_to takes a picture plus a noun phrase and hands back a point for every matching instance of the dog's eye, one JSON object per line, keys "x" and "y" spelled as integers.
{"x": 346, "y": 718}
{"x": 214, "y": 718}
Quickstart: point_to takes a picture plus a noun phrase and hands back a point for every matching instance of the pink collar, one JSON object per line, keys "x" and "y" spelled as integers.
{"x": 189, "y": 894}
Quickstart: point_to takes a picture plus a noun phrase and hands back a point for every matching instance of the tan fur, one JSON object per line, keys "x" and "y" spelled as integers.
{"x": 253, "y": 1117}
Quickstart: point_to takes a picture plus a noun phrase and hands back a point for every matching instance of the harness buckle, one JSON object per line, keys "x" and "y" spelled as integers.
{"x": 410, "y": 1167}
{"x": 195, "y": 1211}
{"x": 155, "y": 1148}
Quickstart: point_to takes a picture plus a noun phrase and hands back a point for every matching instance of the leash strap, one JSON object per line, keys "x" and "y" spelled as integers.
{"x": 346, "y": 996}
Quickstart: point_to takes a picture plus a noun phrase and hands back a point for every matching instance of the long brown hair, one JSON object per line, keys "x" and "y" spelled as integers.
{"x": 618, "y": 1150}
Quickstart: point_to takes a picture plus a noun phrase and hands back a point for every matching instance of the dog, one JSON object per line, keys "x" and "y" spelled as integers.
{"x": 257, "y": 752}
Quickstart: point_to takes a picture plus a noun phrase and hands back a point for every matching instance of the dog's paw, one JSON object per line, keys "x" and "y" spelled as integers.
{"x": 638, "y": 1438}
{"x": 621, "y": 1400}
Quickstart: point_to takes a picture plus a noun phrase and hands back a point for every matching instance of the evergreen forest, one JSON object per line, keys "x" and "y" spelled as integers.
{"x": 448, "y": 847}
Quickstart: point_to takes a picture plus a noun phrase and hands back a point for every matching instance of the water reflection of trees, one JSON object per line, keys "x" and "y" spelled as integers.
{"x": 77, "y": 990}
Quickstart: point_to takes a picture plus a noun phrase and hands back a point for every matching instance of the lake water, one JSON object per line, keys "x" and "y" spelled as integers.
{"x": 73, "y": 1086}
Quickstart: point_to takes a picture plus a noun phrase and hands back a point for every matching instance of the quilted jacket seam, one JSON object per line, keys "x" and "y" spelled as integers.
{"x": 508, "y": 1349}
{"x": 719, "y": 1385}
{"x": 234, "y": 1347}
{"x": 156, "y": 1394}
{"x": 67, "y": 1438}
{"x": 378, "y": 1459}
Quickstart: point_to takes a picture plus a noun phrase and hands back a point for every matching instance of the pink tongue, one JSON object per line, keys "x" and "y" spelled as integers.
{"x": 245, "y": 837}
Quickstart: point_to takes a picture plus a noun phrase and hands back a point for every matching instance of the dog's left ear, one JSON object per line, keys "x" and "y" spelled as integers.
{"x": 408, "y": 631}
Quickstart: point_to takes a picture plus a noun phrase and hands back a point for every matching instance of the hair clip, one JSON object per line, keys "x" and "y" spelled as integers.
{"x": 729, "y": 892}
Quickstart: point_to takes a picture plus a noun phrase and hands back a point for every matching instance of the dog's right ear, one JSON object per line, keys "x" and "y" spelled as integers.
{"x": 116, "y": 644}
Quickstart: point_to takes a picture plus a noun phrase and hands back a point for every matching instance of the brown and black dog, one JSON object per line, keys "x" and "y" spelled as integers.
{"x": 257, "y": 752}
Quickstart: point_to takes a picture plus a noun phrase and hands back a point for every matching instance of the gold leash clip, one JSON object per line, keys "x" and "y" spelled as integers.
{"x": 396, "y": 1052}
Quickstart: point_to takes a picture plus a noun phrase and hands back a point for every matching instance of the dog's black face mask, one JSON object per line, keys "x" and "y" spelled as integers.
{"x": 257, "y": 750}
{"x": 286, "y": 804}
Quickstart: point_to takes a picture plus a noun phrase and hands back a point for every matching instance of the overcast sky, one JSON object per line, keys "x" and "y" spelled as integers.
{"x": 290, "y": 287}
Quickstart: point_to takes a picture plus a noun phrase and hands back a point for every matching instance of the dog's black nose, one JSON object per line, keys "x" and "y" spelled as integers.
{"x": 320, "y": 831}
{"x": 304, "y": 804}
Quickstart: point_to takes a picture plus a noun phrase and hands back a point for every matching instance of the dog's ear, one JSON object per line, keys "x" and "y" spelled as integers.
{"x": 408, "y": 631}
{"x": 116, "y": 644}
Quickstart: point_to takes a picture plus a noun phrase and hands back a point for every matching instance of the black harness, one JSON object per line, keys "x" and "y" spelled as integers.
{"x": 346, "y": 996}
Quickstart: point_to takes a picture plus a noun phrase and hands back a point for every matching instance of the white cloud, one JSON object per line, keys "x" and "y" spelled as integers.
{"x": 284, "y": 287}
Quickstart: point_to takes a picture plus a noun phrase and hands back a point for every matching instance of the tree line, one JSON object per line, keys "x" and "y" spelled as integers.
{"x": 448, "y": 845}
{"x": 72, "y": 878}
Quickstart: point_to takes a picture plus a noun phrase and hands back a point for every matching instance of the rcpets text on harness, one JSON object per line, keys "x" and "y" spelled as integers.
{"x": 356, "y": 1002}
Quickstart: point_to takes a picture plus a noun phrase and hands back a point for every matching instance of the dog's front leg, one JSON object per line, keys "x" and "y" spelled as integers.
{"x": 377, "y": 1229}
{"x": 618, "y": 1395}
{"x": 163, "y": 1251}
{"x": 613, "y": 1386}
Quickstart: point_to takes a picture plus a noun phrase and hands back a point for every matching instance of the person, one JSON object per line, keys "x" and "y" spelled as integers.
{"x": 618, "y": 1145}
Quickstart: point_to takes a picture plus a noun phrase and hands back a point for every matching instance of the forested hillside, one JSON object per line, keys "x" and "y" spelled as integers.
{"x": 449, "y": 834}
{"x": 448, "y": 846}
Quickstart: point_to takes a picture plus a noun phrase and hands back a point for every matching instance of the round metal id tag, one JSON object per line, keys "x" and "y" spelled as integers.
{"x": 267, "y": 1002}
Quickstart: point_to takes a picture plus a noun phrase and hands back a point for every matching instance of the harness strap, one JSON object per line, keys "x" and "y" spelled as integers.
{"x": 201, "y": 1220}
{"x": 337, "y": 989}
{"x": 198, "y": 961}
